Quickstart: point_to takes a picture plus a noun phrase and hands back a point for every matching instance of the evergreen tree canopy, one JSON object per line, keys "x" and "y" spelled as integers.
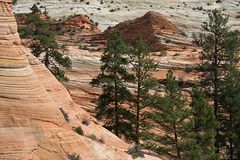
{"x": 170, "y": 115}
{"x": 230, "y": 99}
{"x": 218, "y": 44}
{"x": 45, "y": 47}
{"x": 142, "y": 67}
{"x": 115, "y": 94}
{"x": 230, "y": 117}
{"x": 201, "y": 137}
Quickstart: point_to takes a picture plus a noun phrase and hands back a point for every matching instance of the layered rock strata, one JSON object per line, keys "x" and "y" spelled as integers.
{"x": 156, "y": 29}
{"x": 31, "y": 124}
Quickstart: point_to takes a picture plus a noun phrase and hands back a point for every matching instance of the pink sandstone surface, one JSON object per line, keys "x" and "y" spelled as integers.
{"x": 31, "y": 124}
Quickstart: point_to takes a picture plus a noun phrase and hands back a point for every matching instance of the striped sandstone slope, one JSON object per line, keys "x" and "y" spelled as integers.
{"x": 31, "y": 125}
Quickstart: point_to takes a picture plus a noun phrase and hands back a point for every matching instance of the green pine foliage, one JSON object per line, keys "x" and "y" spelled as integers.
{"x": 213, "y": 55}
{"x": 230, "y": 119}
{"x": 115, "y": 94}
{"x": 44, "y": 45}
{"x": 170, "y": 116}
{"x": 216, "y": 42}
{"x": 142, "y": 67}
{"x": 230, "y": 99}
{"x": 201, "y": 136}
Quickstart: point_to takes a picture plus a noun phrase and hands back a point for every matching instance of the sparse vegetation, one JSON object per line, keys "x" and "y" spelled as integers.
{"x": 92, "y": 137}
{"x": 14, "y": 2}
{"x": 74, "y": 156}
{"x": 44, "y": 44}
{"x": 65, "y": 115}
{"x": 79, "y": 130}
{"x": 136, "y": 152}
{"x": 85, "y": 121}
{"x": 194, "y": 50}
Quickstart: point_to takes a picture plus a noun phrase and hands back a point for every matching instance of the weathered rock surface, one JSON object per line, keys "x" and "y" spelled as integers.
{"x": 31, "y": 124}
{"x": 186, "y": 14}
{"x": 156, "y": 29}
{"x": 80, "y": 22}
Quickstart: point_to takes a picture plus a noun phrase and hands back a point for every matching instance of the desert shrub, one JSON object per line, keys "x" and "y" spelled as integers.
{"x": 85, "y": 121}
{"x": 188, "y": 69}
{"x": 176, "y": 54}
{"x": 65, "y": 115}
{"x": 163, "y": 52}
{"x": 168, "y": 41}
{"x": 136, "y": 152}
{"x": 79, "y": 130}
{"x": 74, "y": 156}
{"x": 92, "y": 137}
{"x": 194, "y": 50}
{"x": 101, "y": 140}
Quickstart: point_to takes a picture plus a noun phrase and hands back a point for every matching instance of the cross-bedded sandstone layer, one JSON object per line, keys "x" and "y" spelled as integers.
{"x": 31, "y": 124}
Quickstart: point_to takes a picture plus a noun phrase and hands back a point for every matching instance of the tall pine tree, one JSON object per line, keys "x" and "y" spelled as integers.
{"x": 230, "y": 119}
{"x": 200, "y": 139}
{"x": 213, "y": 64}
{"x": 115, "y": 94}
{"x": 142, "y": 67}
{"x": 170, "y": 115}
{"x": 230, "y": 98}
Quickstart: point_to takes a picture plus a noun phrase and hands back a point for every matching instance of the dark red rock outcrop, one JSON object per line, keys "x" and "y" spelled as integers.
{"x": 156, "y": 29}
{"x": 80, "y": 22}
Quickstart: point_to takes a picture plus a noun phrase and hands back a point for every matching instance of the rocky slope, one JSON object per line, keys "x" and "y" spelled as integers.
{"x": 31, "y": 124}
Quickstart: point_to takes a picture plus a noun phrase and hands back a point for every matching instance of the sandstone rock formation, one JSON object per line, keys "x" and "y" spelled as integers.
{"x": 75, "y": 27}
{"x": 157, "y": 30}
{"x": 31, "y": 124}
{"x": 70, "y": 30}
{"x": 80, "y": 22}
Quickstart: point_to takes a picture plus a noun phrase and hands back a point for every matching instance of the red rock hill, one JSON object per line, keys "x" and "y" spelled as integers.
{"x": 156, "y": 29}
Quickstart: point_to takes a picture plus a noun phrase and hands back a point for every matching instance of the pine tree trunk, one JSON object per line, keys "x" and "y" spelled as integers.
{"x": 215, "y": 92}
{"x": 47, "y": 60}
{"x": 230, "y": 139}
{"x": 116, "y": 109}
{"x": 176, "y": 141}
{"x": 138, "y": 113}
{"x": 138, "y": 100}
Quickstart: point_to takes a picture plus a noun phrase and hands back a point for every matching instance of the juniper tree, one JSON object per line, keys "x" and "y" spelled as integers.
{"x": 213, "y": 58}
{"x": 44, "y": 44}
{"x": 142, "y": 67}
{"x": 200, "y": 139}
{"x": 115, "y": 94}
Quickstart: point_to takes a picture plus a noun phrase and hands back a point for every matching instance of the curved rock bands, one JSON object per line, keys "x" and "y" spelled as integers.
{"x": 31, "y": 124}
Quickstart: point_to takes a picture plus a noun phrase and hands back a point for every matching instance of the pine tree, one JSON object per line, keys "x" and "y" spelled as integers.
{"x": 115, "y": 94}
{"x": 199, "y": 144}
{"x": 142, "y": 67}
{"x": 169, "y": 115}
{"x": 44, "y": 45}
{"x": 213, "y": 64}
{"x": 230, "y": 98}
{"x": 230, "y": 121}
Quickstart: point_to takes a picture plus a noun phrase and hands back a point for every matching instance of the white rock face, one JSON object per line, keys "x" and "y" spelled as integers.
{"x": 180, "y": 12}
